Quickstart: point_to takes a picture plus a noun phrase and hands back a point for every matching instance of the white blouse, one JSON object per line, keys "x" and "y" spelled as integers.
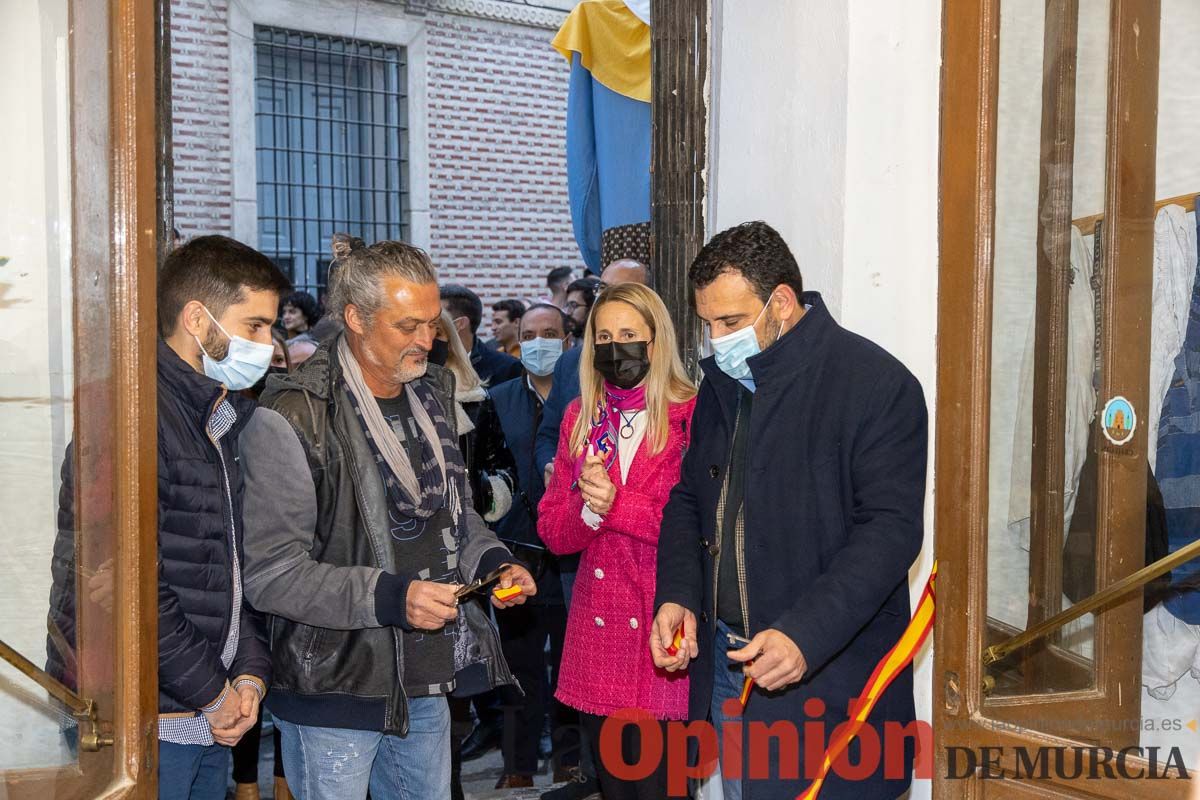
{"x": 627, "y": 449}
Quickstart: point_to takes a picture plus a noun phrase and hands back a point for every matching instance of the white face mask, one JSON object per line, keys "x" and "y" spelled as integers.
{"x": 244, "y": 363}
{"x": 732, "y": 349}
{"x": 540, "y": 355}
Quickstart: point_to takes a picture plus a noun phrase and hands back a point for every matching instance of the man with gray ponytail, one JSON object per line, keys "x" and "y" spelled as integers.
{"x": 359, "y": 535}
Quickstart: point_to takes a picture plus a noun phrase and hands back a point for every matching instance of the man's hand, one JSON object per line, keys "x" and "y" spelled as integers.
{"x": 226, "y": 718}
{"x": 548, "y": 473}
{"x": 250, "y": 700}
{"x": 521, "y": 577}
{"x": 778, "y": 662}
{"x": 662, "y": 633}
{"x": 429, "y": 605}
{"x": 597, "y": 488}
{"x": 246, "y": 699}
{"x": 100, "y": 586}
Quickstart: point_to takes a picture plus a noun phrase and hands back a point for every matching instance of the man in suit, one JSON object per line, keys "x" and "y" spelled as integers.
{"x": 524, "y": 634}
{"x": 797, "y": 515}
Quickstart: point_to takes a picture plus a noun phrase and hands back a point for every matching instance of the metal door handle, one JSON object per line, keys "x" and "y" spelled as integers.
{"x": 82, "y": 708}
{"x": 1101, "y": 598}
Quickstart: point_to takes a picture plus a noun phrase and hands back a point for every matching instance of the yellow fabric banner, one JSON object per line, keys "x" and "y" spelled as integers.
{"x": 613, "y": 45}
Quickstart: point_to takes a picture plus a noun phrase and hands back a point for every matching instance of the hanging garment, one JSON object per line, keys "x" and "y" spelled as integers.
{"x": 1174, "y": 274}
{"x": 607, "y": 43}
{"x": 1081, "y": 399}
{"x": 1079, "y": 550}
{"x": 1178, "y": 468}
{"x": 1170, "y": 650}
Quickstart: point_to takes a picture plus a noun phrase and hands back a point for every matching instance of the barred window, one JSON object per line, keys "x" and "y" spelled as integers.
{"x": 331, "y": 118}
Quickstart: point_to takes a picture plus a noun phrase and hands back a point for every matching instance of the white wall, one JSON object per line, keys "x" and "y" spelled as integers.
{"x": 890, "y": 264}
{"x": 35, "y": 354}
{"x": 825, "y": 124}
{"x": 778, "y": 148}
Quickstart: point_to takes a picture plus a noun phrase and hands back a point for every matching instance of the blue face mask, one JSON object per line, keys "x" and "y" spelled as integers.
{"x": 540, "y": 355}
{"x": 732, "y": 350}
{"x": 244, "y": 363}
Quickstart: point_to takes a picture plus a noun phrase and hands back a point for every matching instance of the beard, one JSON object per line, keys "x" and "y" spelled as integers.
{"x": 215, "y": 344}
{"x": 399, "y": 371}
{"x": 771, "y": 329}
{"x": 409, "y": 374}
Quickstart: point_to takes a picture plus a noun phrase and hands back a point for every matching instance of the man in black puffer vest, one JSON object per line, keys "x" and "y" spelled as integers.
{"x": 217, "y": 299}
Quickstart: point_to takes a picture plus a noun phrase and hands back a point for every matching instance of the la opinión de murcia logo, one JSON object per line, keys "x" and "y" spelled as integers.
{"x": 787, "y": 741}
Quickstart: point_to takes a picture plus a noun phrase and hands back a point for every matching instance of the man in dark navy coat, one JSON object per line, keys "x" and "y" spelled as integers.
{"x": 795, "y": 521}
{"x": 525, "y": 631}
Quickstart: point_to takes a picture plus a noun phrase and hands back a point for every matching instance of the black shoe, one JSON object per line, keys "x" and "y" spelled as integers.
{"x": 484, "y": 739}
{"x": 579, "y": 787}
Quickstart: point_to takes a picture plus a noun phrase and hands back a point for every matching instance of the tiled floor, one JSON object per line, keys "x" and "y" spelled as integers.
{"x": 479, "y": 776}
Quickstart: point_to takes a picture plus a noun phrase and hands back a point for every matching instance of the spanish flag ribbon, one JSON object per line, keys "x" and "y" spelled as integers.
{"x": 885, "y": 672}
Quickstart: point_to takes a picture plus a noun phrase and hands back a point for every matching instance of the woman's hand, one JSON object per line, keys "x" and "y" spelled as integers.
{"x": 596, "y": 487}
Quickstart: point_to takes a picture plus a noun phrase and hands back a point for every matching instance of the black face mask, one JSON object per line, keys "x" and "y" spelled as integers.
{"x": 623, "y": 364}
{"x": 439, "y": 352}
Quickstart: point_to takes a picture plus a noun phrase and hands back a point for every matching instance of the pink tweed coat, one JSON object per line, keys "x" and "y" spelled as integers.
{"x": 606, "y": 664}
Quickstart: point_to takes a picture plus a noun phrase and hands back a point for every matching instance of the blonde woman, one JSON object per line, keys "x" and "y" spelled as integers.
{"x": 615, "y": 466}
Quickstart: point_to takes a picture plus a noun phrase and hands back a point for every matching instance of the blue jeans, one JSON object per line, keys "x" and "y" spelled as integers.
{"x": 192, "y": 771}
{"x": 342, "y": 764}
{"x": 727, "y": 682}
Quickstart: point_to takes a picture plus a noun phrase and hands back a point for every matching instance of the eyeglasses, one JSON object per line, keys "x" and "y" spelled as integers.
{"x": 573, "y": 306}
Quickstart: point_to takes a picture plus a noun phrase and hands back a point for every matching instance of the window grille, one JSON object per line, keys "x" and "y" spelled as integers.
{"x": 331, "y": 119}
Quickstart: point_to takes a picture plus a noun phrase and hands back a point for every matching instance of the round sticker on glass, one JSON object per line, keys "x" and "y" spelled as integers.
{"x": 1119, "y": 421}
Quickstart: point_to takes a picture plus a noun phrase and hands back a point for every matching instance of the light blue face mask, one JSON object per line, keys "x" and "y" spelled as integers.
{"x": 244, "y": 363}
{"x": 541, "y": 354}
{"x": 732, "y": 349}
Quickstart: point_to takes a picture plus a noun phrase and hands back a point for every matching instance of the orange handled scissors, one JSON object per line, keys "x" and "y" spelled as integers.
{"x": 487, "y": 580}
{"x": 506, "y": 594}
{"x": 673, "y": 648}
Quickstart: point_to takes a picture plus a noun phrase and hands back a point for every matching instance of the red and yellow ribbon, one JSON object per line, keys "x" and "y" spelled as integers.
{"x": 885, "y": 672}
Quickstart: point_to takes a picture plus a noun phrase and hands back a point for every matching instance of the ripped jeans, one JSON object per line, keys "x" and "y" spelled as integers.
{"x": 342, "y": 764}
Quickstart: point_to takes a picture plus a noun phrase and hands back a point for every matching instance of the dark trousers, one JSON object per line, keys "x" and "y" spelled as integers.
{"x": 652, "y": 787}
{"x": 192, "y": 771}
{"x": 246, "y": 752}
{"x": 524, "y": 633}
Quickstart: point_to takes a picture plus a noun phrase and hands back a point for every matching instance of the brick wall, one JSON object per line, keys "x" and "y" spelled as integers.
{"x": 497, "y": 93}
{"x": 200, "y": 117}
{"x": 497, "y": 149}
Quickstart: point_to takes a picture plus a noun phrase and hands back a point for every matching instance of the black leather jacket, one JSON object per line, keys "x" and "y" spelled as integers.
{"x": 336, "y": 664}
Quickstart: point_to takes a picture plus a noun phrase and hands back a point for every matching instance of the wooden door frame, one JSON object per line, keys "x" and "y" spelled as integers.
{"x": 967, "y": 178}
{"x": 113, "y": 157}
{"x": 679, "y": 113}
{"x": 135, "y": 362}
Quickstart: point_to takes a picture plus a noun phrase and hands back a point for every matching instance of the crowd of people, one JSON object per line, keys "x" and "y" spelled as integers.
{"x": 414, "y": 546}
